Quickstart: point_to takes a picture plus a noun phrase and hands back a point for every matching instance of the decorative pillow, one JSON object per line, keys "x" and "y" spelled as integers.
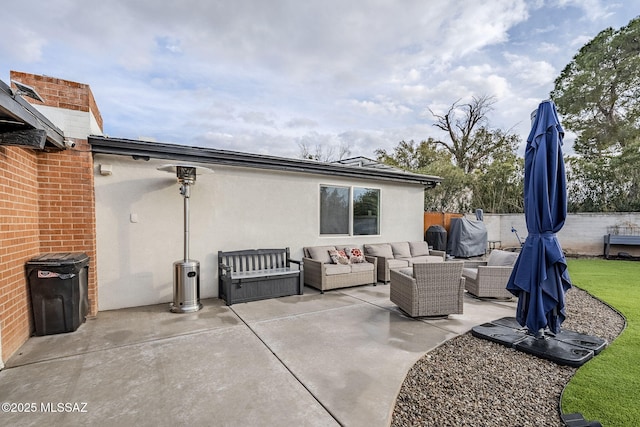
{"x": 355, "y": 255}
{"x": 338, "y": 257}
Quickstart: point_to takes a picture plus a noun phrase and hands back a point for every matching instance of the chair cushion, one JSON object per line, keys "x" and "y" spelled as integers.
{"x": 472, "y": 273}
{"x": 407, "y": 271}
{"x": 419, "y": 248}
{"x": 397, "y": 263}
{"x": 360, "y": 267}
{"x": 379, "y": 249}
{"x": 401, "y": 250}
{"x": 424, "y": 259}
{"x": 499, "y": 258}
{"x": 338, "y": 257}
{"x": 333, "y": 269}
{"x": 320, "y": 253}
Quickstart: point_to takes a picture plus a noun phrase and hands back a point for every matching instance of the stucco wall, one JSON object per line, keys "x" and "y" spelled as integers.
{"x": 233, "y": 208}
{"x": 582, "y": 233}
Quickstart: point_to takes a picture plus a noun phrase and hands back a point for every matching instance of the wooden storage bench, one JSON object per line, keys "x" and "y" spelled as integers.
{"x": 256, "y": 274}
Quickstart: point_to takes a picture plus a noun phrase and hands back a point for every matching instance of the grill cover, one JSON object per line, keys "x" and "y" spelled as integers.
{"x": 467, "y": 238}
{"x": 436, "y": 237}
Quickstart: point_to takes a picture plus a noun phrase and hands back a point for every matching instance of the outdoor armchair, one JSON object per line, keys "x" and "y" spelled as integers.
{"x": 429, "y": 289}
{"x": 488, "y": 279}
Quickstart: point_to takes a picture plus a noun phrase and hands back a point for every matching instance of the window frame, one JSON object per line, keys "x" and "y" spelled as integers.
{"x": 351, "y": 206}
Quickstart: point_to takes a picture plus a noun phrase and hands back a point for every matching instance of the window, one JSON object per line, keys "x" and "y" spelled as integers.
{"x": 349, "y": 211}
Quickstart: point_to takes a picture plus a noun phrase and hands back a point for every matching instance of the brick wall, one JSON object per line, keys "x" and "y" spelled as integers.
{"x": 67, "y": 206}
{"x": 47, "y": 204}
{"x": 19, "y": 241}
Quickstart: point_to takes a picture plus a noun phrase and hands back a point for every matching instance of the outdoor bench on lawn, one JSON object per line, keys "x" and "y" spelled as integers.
{"x": 619, "y": 239}
{"x": 256, "y": 274}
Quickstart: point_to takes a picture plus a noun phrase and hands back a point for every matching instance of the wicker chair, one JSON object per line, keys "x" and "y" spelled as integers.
{"x": 488, "y": 279}
{"x": 430, "y": 289}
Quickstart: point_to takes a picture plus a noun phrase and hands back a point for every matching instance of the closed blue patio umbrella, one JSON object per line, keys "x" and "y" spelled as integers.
{"x": 540, "y": 278}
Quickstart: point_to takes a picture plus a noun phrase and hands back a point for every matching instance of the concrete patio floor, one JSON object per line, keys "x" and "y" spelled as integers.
{"x": 337, "y": 358}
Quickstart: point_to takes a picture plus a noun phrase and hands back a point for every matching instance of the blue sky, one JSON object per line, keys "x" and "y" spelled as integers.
{"x": 267, "y": 76}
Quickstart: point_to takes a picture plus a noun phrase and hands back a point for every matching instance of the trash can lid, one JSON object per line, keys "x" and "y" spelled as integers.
{"x": 59, "y": 259}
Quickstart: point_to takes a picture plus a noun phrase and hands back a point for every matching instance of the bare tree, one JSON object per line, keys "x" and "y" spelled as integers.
{"x": 323, "y": 153}
{"x": 472, "y": 143}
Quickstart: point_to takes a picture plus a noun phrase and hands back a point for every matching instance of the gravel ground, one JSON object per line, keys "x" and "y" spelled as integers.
{"x": 469, "y": 381}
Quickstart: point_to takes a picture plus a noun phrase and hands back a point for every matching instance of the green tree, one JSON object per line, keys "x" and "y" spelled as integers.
{"x": 598, "y": 92}
{"x": 495, "y": 186}
{"x": 498, "y": 187}
{"x": 411, "y": 156}
{"x": 598, "y": 96}
{"x": 605, "y": 183}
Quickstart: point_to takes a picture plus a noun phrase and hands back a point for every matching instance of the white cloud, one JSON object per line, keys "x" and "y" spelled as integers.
{"x": 530, "y": 71}
{"x": 379, "y": 106}
{"x": 262, "y": 76}
{"x": 301, "y": 122}
{"x": 593, "y": 10}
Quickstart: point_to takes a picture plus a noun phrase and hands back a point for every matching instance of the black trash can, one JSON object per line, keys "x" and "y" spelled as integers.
{"x": 59, "y": 291}
{"x": 436, "y": 237}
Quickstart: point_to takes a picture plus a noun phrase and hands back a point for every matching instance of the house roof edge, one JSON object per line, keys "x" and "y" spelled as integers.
{"x": 144, "y": 149}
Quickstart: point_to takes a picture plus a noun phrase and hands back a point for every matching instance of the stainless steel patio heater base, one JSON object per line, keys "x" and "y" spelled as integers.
{"x": 186, "y": 287}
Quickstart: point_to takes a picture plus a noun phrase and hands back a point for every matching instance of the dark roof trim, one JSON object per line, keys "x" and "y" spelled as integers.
{"x": 24, "y": 116}
{"x": 142, "y": 149}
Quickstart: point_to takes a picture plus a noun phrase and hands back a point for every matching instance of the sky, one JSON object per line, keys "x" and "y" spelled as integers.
{"x": 272, "y": 76}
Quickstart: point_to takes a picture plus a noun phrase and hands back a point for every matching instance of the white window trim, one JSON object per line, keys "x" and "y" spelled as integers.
{"x": 351, "y": 216}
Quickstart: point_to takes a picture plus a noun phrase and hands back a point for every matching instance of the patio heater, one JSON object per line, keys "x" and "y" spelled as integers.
{"x": 186, "y": 272}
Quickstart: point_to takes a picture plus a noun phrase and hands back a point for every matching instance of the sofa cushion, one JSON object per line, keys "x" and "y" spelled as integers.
{"x": 499, "y": 258}
{"x": 379, "y": 249}
{"x": 360, "y": 267}
{"x": 355, "y": 255}
{"x": 424, "y": 259}
{"x": 401, "y": 250}
{"x": 338, "y": 256}
{"x": 320, "y": 253}
{"x": 333, "y": 269}
{"x": 471, "y": 273}
{"x": 397, "y": 263}
{"x": 419, "y": 248}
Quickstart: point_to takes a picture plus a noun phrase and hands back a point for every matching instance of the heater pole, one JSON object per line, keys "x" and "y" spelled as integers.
{"x": 186, "y": 221}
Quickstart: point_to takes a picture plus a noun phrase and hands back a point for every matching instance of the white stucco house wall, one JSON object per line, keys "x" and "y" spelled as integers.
{"x": 249, "y": 201}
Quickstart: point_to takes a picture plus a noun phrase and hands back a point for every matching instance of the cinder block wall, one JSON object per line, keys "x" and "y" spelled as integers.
{"x": 47, "y": 202}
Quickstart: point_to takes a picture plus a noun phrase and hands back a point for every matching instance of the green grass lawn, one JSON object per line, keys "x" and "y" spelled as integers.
{"x": 607, "y": 388}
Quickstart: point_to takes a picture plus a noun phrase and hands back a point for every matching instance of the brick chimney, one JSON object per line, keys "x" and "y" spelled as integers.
{"x": 69, "y": 105}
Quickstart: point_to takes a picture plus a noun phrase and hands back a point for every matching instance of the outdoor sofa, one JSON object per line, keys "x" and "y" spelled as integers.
{"x": 324, "y": 273}
{"x": 401, "y": 255}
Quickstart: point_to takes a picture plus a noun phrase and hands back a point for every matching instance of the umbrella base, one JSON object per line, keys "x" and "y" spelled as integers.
{"x": 581, "y": 340}
{"x": 555, "y": 351}
{"x": 499, "y": 334}
{"x": 565, "y": 348}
